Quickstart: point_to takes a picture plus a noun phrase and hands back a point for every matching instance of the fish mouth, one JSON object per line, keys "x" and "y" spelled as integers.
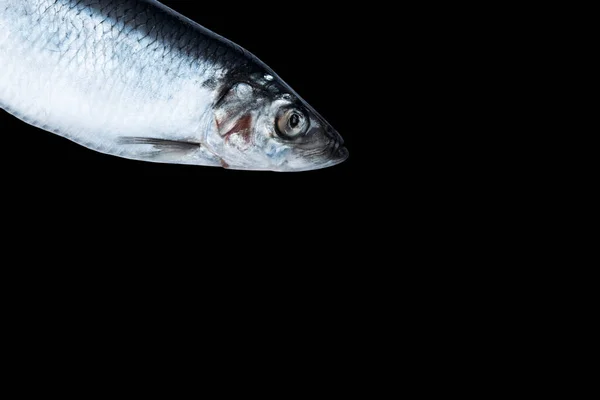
{"x": 339, "y": 153}
{"x": 342, "y": 154}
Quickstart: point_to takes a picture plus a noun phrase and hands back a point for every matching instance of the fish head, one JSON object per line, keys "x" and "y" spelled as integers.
{"x": 262, "y": 124}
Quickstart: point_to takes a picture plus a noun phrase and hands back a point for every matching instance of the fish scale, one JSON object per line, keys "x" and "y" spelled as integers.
{"x": 119, "y": 76}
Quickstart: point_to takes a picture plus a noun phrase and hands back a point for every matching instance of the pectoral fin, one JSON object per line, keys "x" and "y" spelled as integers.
{"x": 161, "y": 149}
{"x": 161, "y": 144}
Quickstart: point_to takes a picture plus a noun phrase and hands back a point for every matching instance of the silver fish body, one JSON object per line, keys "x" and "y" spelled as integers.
{"x": 133, "y": 78}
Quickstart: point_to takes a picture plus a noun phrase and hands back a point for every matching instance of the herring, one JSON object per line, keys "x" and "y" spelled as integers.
{"x": 135, "y": 79}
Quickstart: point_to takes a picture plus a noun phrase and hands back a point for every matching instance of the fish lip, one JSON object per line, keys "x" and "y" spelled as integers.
{"x": 341, "y": 155}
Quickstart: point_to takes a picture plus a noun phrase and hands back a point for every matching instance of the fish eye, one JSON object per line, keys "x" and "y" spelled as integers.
{"x": 291, "y": 123}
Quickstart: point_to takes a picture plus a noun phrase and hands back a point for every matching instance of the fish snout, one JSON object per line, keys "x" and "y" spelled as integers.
{"x": 339, "y": 153}
{"x": 334, "y": 135}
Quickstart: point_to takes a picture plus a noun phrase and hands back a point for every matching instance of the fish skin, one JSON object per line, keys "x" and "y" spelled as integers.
{"x": 101, "y": 71}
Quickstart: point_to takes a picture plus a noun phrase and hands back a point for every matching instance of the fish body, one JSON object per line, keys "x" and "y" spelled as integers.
{"x": 135, "y": 79}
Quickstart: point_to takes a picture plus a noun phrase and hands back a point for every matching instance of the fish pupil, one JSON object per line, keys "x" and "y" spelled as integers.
{"x": 294, "y": 121}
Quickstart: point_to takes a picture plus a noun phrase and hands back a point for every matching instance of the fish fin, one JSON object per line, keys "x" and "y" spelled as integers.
{"x": 163, "y": 150}
{"x": 161, "y": 144}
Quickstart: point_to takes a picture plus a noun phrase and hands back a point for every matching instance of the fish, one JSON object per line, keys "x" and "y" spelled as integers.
{"x": 135, "y": 79}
